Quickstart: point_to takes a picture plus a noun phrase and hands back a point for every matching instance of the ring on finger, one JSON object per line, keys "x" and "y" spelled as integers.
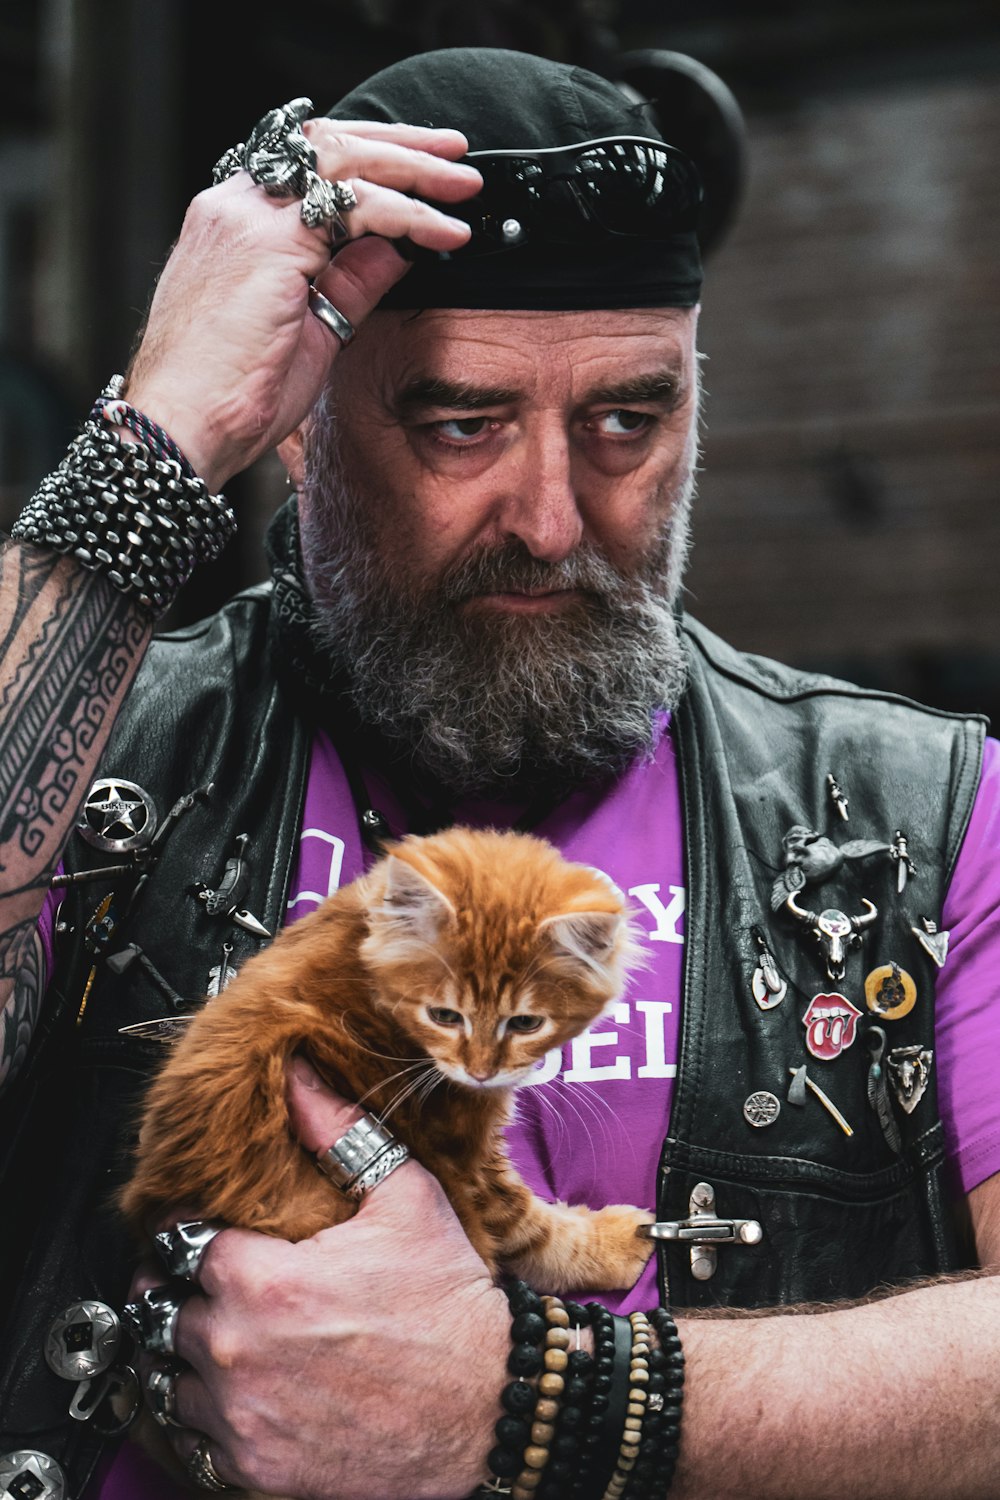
{"x": 323, "y": 206}
{"x": 202, "y": 1469}
{"x": 331, "y": 317}
{"x": 153, "y": 1319}
{"x": 182, "y": 1248}
{"x": 161, "y": 1395}
{"x": 279, "y": 158}
{"x": 363, "y": 1157}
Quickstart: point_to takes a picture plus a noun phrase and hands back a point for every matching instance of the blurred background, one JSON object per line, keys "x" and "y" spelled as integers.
{"x": 849, "y": 514}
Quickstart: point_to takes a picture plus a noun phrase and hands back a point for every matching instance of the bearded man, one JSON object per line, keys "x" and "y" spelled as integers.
{"x": 474, "y": 616}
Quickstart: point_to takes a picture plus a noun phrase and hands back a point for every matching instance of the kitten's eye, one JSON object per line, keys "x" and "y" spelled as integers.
{"x": 524, "y": 1023}
{"x": 441, "y": 1016}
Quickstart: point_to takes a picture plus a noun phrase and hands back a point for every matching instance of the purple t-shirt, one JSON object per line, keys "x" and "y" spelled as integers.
{"x": 589, "y": 1127}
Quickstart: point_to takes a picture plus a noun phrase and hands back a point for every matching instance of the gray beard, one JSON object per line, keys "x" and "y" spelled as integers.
{"x": 492, "y": 704}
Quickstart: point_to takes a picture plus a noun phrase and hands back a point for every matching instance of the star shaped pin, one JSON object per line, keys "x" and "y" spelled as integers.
{"x": 118, "y": 816}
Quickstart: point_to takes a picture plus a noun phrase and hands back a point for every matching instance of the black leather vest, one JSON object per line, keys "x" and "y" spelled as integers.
{"x": 840, "y": 1215}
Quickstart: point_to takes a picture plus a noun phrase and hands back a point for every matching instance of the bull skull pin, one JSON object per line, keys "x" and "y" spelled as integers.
{"x": 835, "y": 931}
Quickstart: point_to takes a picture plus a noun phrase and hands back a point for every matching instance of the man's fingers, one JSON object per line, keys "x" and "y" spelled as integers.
{"x": 342, "y": 154}
{"x": 383, "y": 211}
{"x": 360, "y": 275}
{"x": 320, "y": 1117}
{"x": 442, "y": 141}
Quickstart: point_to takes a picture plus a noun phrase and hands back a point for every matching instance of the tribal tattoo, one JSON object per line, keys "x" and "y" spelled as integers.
{"x": 70, "y": 644}
{"x": 20, "y": 1015}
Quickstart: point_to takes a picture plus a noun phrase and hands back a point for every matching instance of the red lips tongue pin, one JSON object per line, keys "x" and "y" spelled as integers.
{"x": 831, "y": 1023}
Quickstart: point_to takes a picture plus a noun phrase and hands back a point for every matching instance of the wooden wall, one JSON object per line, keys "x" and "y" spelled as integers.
{"x": 849, "y": 514}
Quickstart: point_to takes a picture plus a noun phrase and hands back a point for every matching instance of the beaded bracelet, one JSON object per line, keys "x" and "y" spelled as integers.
{"x": 661, "y": 1434}
{"x": 513, "y": 1430}
{"x": 631, "y": 1429}
{"x": 609, "y": 1396}
{"x": 564, "y": 1473}
{"x": 551, "y": 1383}
{"x": 122, "y": 512}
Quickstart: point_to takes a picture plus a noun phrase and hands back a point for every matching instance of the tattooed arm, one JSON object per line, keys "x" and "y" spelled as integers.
{"x": 70, "y": 645}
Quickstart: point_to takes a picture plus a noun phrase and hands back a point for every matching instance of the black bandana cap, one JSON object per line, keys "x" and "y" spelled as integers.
{"x": 501, "y": 100}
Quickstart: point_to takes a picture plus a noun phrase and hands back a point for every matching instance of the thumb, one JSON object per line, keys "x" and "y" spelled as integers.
{"x": 318, "y": 1114}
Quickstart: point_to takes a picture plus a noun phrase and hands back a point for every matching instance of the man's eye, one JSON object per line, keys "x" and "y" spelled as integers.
{"x": 619, "y": 423}
{"x": 441, "y": 1016}
{"x": 461, "y": 429}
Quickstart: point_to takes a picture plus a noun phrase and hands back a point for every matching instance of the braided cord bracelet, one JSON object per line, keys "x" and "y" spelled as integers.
{"x": 111, "y": 408}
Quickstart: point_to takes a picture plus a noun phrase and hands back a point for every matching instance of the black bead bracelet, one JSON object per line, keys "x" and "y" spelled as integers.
{"x": 513, "y": 1431}
{"x": 664, "y": 1421}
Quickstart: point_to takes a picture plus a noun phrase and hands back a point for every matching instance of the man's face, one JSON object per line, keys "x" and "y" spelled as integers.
{"x": 494, "y": 528}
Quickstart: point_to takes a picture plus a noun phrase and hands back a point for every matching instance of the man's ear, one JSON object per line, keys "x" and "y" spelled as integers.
{"x": 291, "y": 454}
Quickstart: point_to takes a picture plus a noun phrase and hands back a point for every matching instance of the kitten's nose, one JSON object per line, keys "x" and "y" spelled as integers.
{"x": 480, "y": 1077}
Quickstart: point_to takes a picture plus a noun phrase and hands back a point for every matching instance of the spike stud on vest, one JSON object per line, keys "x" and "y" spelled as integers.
{"x": 835, "y": 931}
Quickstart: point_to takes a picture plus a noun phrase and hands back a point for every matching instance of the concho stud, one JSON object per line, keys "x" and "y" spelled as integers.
{"x": 83, "y": 1341}
{"x": 761, "y": 1108}
{"x": 28, "y": 1474}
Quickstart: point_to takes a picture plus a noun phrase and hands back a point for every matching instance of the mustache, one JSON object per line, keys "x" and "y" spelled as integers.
{"x": 511, "y": 568}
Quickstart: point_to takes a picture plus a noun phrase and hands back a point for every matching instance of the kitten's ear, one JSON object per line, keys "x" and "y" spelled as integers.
{"x": 411, "y": 913}
{"x": 588, "y": 937}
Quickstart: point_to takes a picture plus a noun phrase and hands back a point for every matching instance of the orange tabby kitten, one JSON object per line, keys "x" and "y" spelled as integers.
{"x": 428, "y": 989}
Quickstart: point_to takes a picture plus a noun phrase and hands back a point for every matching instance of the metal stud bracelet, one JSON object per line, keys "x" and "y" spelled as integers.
{"x": 123, "y": 512}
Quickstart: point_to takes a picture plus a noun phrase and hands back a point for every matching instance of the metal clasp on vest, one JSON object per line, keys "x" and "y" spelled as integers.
{"x": 703, "y": 1231}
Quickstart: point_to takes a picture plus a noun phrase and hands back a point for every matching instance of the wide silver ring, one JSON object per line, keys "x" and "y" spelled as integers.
{"x": 161, "y": 1395}
{"x": 182, "y": 1248}
{"x": 153, "y": 1319}
{"x": 362, "y": 1157}
{"x": 202, "y": 1470}
{"x": 331, "y": 317}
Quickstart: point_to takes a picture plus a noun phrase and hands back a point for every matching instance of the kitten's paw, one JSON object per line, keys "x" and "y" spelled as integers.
{"x": 620, "y": 1252}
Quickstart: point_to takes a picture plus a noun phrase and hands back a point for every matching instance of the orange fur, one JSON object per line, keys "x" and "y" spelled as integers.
{"x": 481, "y": 926}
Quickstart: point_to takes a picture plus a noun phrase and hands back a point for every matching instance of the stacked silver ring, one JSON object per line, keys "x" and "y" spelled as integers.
{"x": 182, "y": 1248}
{"x": 279, "y": 159}
{"x": 363, "y": 1157}
{"x": 161, "y": 1395}
{"x": 153, "y": 1319}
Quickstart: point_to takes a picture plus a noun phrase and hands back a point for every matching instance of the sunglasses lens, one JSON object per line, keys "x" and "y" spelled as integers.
{"x": 618, "y": 187}
{"x": 634, "y": 189}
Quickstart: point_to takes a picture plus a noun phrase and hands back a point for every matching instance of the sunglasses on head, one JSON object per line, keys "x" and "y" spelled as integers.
{"x": 621, "y": 185}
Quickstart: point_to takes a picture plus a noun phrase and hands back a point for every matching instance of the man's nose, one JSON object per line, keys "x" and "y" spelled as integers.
{"x": 541, "y": 508}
